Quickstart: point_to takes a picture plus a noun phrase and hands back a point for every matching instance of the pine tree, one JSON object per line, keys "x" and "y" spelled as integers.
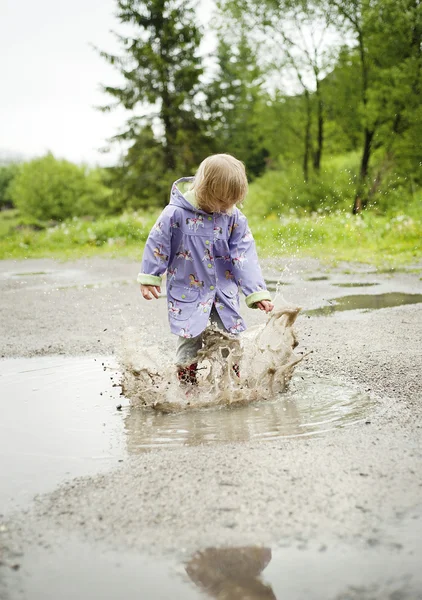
{"x": 161, "y": 69}
{"x": 234, "y": 97}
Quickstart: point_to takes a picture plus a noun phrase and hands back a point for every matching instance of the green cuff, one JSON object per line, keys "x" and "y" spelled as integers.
{"x": 257, "y": 297}
{"x": 144, "y": 279}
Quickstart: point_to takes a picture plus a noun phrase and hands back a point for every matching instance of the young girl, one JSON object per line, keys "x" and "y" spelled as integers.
{"x": 204, "y": 243}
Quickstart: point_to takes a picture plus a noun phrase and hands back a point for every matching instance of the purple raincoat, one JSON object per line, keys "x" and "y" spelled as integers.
{"x": 208, "y": 257}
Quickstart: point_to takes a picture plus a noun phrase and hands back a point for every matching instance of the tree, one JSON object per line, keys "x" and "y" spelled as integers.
{"x": 161, "y": 69}
{"x": 291, "y": 36}
{"x": 234, "y": 99}
{"x": 342, "y": 98}
{"x": 7, "y": 174}
{"x": 136, "y": 179}
{"x": 387, "y": 35}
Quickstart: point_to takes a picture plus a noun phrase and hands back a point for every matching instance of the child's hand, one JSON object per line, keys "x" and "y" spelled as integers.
{"x": 265, "y": 305}
{"x": 150, "y": 291}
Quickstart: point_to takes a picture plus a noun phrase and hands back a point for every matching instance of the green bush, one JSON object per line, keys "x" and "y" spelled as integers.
{"x": 395, "y": 193}
{"x": 50, "y": 189}
{"x": 284, "y": 191}
{"x": 7, "y": 174}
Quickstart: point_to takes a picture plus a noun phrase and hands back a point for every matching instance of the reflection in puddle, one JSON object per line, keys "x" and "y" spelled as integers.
{"x": 314, "y": 571}
{"x": 58, "y": 419}
{"x": 354, "y": 285}
{"x": 366, "y": 301}
{"x": 75, "y": 569}
{"x": 311, "y": 406}
{"x": 231, "y": 573}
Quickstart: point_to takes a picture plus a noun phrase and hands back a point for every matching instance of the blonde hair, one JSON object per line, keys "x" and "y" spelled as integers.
{"x": 220, "y": 183}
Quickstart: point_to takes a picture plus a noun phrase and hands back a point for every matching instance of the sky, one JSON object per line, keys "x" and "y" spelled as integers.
{"x": 50, "y": 79}
{"x": 51, "y": 76}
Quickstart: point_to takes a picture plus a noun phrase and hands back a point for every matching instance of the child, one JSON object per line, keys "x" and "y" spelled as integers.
{"x": 204, "y": 243}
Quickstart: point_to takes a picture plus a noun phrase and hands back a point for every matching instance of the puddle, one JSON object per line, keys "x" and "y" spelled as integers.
{"x": 80, "y": 570}
{"x": 318, "y": 278}
{"x": 96, "y": 286}
{"x": 318, "y": 571}
{"x": 273, "y": 284}
{"x": 59, "y": 421}
{"x": 313, "y": 405}
{"x": 294, "y": 573}
{"x": 366, "y": 302}
{"x": 60, "y": 274}
{"x": 354, "y": 285}
{"x": 31, "y": 273}
{"x": 55, "y": 424}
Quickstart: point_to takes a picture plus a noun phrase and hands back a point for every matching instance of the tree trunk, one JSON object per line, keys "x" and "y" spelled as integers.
{"x": 320, "y": 137}
{"x": 361, "y": 199}
{"x": 169, "y": 132}
{"x": 307, "y": 150}
{"x": 361, "y": 196}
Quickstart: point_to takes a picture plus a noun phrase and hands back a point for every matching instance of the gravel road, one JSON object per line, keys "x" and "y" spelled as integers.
{"x": 341, "y": 512}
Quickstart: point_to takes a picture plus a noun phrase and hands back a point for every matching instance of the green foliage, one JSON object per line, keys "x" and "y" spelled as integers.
{"x": 342, "y": 89}
{"x": 388, "y": 37}
{"x": 50, "y": 189}
{"x": 285, "y": 191}
{"x": 161, "y": 68}
{"x": 369, "y": 99}
{"x": 234, "y": 98}
{"x": 138, "y": 181}
{"x": 7, "y": 174}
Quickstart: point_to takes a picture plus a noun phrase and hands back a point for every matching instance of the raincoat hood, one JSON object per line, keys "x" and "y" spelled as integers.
{"x": 183, "y": 196}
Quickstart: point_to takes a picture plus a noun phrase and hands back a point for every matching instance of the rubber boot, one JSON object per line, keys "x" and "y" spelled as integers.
{"x": 187, "y": 375}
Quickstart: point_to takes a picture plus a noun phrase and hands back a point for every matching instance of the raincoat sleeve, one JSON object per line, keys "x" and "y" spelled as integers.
{"x": 244, "y": 258}
{"x": 157, "y": 250}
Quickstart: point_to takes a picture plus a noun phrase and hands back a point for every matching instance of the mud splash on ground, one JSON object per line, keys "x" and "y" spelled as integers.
{"x": 265, "y": 355}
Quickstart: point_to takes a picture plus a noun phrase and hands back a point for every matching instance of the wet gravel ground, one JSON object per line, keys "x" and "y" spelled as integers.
{"x": 357, "y": 488}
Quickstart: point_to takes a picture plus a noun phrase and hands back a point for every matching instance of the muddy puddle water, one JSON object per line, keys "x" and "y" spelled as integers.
{"x": 366, "y": 302}
{"x": 59, "y": 421}
{"x": 292, "y": 571}
{"x": 354, "y": 284}
{"x": 312, "y": 405}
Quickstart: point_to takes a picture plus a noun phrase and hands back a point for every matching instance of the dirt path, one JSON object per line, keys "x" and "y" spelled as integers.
{"x": 348, "y": 502}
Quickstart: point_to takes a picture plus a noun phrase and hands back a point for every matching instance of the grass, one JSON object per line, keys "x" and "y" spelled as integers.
{"x": 387, "y": 242}
{"x": 123, "y": 235}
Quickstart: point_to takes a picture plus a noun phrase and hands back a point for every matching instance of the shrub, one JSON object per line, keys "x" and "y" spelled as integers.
{"x": 284, "y": 191}
{"x": 50, "y": 189}
{"x": 7, "y": 174}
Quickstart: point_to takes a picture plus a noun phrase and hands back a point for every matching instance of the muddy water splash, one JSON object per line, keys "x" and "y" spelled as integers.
{"x": 264, "y": 353}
